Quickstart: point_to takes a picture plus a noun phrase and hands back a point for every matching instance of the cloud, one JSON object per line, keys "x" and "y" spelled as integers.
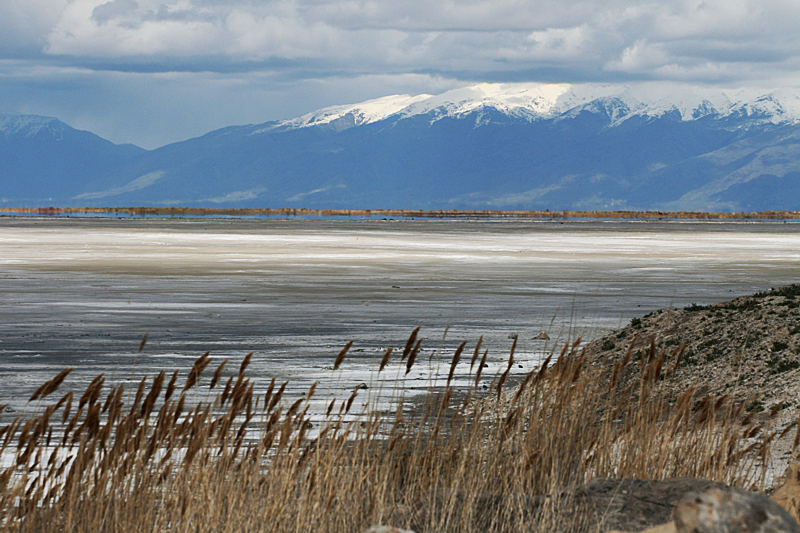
{"x": 126, "y": 28}
{"x": 640, "y": 56}
{"x": 155, "y": 62}
{"x": 472, "y": 37}
{"x": 151, "y": 109}
{"x": 25, "y": 24}
{"x": 635, "y": 38}
{"x": 114, "y": 10}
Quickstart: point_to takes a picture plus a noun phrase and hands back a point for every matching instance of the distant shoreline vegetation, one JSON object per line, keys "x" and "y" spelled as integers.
{"x": 178, "y": 212}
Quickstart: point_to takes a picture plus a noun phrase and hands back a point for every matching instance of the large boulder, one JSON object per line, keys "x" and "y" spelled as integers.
{"x": 731, "y": 510}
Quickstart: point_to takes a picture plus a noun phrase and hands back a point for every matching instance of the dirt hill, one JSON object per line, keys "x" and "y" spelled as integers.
{"x": 748, "y": 348}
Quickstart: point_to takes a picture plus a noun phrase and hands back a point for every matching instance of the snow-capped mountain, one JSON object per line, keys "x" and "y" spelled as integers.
{"x": 363, "y": 113}
{"x": 532, "y": 102}
{"x": 486, "y": 146}
{"x": 27, "y": 126}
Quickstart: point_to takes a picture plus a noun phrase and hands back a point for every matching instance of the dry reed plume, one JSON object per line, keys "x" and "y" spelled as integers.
{"x": 240, "y": 461}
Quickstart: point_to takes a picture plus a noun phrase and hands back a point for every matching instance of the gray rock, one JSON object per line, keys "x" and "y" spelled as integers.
{"x": 732, "y": 510}
{"x": 630, "y": 504}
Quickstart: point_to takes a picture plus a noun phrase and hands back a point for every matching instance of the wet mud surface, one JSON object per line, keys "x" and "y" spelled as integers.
{"x": 82, "y": 292}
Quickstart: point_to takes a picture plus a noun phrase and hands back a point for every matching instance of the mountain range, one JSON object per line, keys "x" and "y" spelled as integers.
{"x": 482, "y": 147}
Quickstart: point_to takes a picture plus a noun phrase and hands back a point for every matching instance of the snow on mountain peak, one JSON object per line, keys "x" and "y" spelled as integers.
{"x": 525, "y": 100}
{"x": 363, "y": 113}
{"x": 518, "y": 99}
{"x": 654, "y": 100}
{"x": 532, "y": 101}
{"x": 782, "y": 105}
{"x": 25, "y": 125}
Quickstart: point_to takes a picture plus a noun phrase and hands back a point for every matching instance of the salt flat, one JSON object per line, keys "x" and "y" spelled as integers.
{"x": 83, "y": 292}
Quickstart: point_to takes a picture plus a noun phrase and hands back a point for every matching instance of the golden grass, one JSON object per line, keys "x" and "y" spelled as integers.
{"x": 242, "y": 462}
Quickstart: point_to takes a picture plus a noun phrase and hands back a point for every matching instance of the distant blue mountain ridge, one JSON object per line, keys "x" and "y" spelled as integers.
{"x": 483, "y": 147}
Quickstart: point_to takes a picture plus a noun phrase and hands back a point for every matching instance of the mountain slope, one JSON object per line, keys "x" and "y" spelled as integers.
{"x": 488, "y": 146}
{"x": 43, "y": 160}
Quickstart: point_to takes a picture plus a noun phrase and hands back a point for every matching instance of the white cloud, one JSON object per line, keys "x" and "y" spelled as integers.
{"x": 734, "y": 19}
{"x": 254, "y": 60}
{"x": 24, "y": 24}
{"x": 561, "y": 43}
{"x": 258, "y": 37}
{"x": 640, "y": 56}
{"x": 622, "y": 36}
{"x": 126, "y": 28}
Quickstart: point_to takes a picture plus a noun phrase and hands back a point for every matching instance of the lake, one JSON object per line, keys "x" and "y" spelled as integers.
{"x": 82, "y": 292}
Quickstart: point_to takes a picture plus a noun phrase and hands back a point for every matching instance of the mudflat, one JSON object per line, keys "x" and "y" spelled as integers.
{"x": 83, "y": 292}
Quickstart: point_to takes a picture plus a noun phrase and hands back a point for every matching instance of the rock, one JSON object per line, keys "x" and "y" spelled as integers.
{"x": 631, "y": 504}
{"x": 732, "y": 510}
{"x": 727, "y": 510}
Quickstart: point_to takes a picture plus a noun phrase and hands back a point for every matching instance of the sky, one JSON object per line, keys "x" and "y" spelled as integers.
{"x": 151, "y": 72}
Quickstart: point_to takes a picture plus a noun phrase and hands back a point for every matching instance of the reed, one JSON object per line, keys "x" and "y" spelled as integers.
{"x": 481, "y": 461}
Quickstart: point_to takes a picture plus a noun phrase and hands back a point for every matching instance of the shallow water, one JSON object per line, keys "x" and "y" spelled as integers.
{"x": 83, "y": 292}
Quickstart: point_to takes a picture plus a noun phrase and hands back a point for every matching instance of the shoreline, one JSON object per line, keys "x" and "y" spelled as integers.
{"x": 192, "y": 212}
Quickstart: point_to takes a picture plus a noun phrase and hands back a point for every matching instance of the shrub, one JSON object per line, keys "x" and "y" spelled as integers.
{"x": 778, "y": 346}
{"x": 782, "y": 365}
{"x": 755, "y": 406}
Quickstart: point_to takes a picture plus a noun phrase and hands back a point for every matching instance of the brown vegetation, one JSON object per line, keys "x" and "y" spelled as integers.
{"x": 747, "y": 349}
{"x": 243, "y": 461}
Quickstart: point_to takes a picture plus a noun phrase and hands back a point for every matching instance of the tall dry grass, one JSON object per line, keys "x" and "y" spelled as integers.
{"x": 246, "y": 462}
